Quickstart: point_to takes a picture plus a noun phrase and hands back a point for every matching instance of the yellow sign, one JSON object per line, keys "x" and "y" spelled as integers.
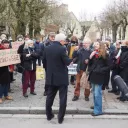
{"x": 40, "y": 73}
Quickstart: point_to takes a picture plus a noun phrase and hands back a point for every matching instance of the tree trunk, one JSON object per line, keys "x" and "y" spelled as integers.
{"x": 114, "y": 32}
{"x": 31, "y": 28}
{"x": 120, "y": 34}
{"x": 21, "y": 28}
{"x": 124, "y": 32}
{"x": 107, "y": 32}
{"x": 101, "y": 34}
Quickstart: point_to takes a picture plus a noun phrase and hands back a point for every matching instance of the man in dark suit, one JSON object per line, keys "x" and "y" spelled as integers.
{"x": 57, "y": 76}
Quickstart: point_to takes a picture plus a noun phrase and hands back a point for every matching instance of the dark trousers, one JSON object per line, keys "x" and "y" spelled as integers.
{"x": 114, "y": 86}
{"x": 11, "y": 76}
{"x": 29, "y": 76}
{"x": 39, "y": 61}
{"x": 106, "y": 82}
{"x": 46, "y": 85}
{"x": 72, "y": 79}
{"x": 52, "y": 91}
{"x": 3, "y": 90}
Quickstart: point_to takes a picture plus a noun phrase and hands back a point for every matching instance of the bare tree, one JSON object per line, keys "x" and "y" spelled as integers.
{"x": 112, "y": 17}
{"x": 123, "y": 12}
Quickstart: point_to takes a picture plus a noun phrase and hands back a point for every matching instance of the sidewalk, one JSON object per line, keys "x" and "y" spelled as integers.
{"x": 36, "y": 104}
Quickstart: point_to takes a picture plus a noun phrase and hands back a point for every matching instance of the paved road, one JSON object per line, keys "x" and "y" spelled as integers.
{"x": 22, "y": 122}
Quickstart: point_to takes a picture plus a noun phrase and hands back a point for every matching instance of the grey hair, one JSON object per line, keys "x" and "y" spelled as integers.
{"x": 88, "y": 40}
{"x": 60, "y": 37}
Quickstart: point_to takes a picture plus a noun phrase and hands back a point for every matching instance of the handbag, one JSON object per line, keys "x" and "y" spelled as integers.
{"x": 20, "y": 68}
{"x": 84, "y": 81}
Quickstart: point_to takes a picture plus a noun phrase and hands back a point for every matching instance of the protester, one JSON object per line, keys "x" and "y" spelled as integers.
{"x": 29, "y": 65}
{"x": 107, "y": 78}
{"x": 37, "y": 46}
{"x": 70, "y": 48}
{"x": 123, "y": 67}
{"x": 57, "y": 76}
{"x": 48, "y": 42}
{"x": 4, "y": 75}
{"x": 83, "y": 56}
{"x": 114, "y": 67}
{"x": 98, "y": 67}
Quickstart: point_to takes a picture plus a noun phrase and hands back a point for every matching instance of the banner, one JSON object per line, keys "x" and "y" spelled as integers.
{"x": 15, "y": 45}
{"x": 72, "y": 69}
{"x": 9, "y": 57}
{"x": 40, "y": 73}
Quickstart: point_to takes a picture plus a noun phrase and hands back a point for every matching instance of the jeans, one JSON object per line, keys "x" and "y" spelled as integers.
{"x": 97, "y": 97}
{"x": 114, "y": 87}
{"x": 3, "y": 90}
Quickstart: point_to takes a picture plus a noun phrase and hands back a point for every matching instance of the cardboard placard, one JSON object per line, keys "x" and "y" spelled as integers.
{"x": 15, "y": 45}
{"x": 9, "y": 57}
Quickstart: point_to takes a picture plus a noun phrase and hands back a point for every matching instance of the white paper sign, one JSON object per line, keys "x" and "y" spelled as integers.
{"x": 72, "y": 69}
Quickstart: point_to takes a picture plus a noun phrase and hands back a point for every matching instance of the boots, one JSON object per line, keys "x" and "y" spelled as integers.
{"x": 8, "y": 98}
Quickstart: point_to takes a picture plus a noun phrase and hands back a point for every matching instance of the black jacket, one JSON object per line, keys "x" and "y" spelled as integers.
{"x": 4, "y": 75}
{"x": 123, "y": 66}
{"x": 56, "y": 62}
{"x": 29, "y": 63}
{"x": 47, "y": 43}
{"x": 98, "y": 67}
{"x": 83, "y": 54}
{"x": 20, "y": 51}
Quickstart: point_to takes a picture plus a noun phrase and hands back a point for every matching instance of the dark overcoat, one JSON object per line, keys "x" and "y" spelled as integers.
{"x": 56, "y": 61}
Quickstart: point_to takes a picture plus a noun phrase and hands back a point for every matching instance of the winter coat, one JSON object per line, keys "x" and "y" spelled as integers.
{"x": 29, "y": 63}
{"x": 47, "y": 43}
{"x": 4, "y": 74}
{"x": 98, "y": 68}
{"x": 37, "y": 46}
{"x": 83, "y": 54}
{"x": 123, "y": 65}
{"x": 56, "y": 63}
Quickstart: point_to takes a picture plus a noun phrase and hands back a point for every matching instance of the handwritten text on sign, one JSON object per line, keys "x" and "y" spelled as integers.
{"x": 15, "y": 45}
{"x": 72, "y": 69}
{"x": 9, "y": 57}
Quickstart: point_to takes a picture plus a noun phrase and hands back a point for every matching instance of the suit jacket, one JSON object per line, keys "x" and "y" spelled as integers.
{"x": 56, "y": 62}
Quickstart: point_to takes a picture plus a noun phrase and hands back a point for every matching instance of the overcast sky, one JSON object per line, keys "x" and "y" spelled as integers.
{"x": 92, "y": 7}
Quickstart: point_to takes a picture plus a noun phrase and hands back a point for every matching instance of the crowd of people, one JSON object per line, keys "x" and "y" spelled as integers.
{"x": 98, "y": 61}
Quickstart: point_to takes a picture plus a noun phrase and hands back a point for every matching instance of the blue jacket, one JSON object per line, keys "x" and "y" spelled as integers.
{"x": 37, "y": 47}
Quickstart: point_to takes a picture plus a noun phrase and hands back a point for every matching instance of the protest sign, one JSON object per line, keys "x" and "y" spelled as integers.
{"x": 72, "y": 69}
{"x": 40, "y": 73}
{"x": 15, "y": 45}
{"x": 9, "y": 57}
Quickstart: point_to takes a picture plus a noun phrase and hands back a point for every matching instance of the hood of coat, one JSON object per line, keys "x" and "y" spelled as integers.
{"x": 124, "y": 49}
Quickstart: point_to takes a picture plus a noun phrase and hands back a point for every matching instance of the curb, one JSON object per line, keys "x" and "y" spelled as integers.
{"x": 32, "y": 116}
{"x": 72, "y": 111}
